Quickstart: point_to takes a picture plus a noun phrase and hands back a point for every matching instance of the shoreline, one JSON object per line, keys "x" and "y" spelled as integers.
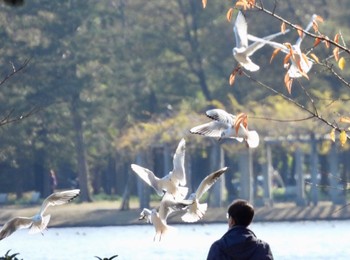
{"x": 107, "y": 213}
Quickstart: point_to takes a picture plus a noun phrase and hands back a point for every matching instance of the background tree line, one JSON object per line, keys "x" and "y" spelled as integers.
{"x": 113, "y": 78}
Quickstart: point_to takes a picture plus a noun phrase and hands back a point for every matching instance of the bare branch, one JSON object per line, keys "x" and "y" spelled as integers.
{"x": 315, "y": 36}
{"x": 312, "y": 113}
{"x": 282, "y": 120}
{"x": 14, "y": 71}
{"x": 9, "y": 117}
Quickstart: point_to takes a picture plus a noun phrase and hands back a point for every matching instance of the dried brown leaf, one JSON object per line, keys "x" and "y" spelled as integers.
{"x": 319, "y": 19}
{"x": 229, "y": 14}
{"x": 288, "y": 81}
{"x": 286, "y": 59}
{"x": 242, "y": 3}
{"x": 283, "y": 27}
{"x": 326, "y": 42}
{"x": 344, "y": 119}
{"x": 299, "y": 30}
{"x": 232, "y": 78}
{"x": 315, "y": 26}
{"x": 336, "y": 38}
{"x": 317, "y": 41}
{"x": 314, "y": 57}
{"x": 241, "y": 118}
{"x": 336, "y": 53}
{"x": 275, "y": 52}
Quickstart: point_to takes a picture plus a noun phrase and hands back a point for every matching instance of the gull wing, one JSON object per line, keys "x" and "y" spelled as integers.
{"x": 179, "y": 163}
{"x": 212, "y": 129}
{"x": 259, "y": 44}
{"x": 59, "y": 198}
{"x": 168, "y": 205}
{"x": 240, "y": 28}
{"x": 221, "y": 116}
{"x": 267, "y": 41}
{"x": 13, "y": 224}
{"x": 149, "y": 177}
{"x": 208, "y": 181}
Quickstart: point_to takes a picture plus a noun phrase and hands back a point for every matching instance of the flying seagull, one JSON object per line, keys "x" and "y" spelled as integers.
{"x": 196, "y": 210}
{"x": 159, "y": 217}
{"x": 225, "y": 125}
{"x": 38, "y": 222}
{"x": 298, "y": 62}
{"x": 243, "y": 51}
{"x": 173, "y": 182}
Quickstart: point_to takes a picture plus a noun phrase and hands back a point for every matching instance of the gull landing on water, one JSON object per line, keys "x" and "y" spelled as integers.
{"x": 196, "y": 210}
{"x": 39, "y": 222}
{"x": 226, "y": 125}
{"x": 243, "y": 51}
{"x": 171, "y": 182}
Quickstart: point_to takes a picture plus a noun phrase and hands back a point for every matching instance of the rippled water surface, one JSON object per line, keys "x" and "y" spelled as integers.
{"x": 288, "y": 240}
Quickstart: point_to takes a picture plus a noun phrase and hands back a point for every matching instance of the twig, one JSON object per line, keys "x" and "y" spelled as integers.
{"x": 14, "y": 71}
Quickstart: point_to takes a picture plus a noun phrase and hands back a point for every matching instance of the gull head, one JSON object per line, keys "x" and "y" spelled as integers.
{"x": 37, "y": 218}
{"x": 145, "y": 215}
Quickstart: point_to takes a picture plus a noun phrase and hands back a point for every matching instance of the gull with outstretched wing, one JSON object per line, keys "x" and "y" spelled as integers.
{"x": 196, "y": 210}
{"x": 173, "y": 182}
{"x": 300, "y": 64}
{"x": 38, "y": 222}
{"x": 158, "y": 218}
{"x": 243, "y": 51}
{"x": 225, "y": 125}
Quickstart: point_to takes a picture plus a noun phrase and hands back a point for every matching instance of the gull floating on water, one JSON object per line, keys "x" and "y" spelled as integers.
{"x": 224, "y": 126}
{"x": 298, "y": 62}
{"x": 159, "y": 217}
{"x": 196, "y": 210}
{"x": 171, "y": 182}
{"x": 39, "y": 222}
{"x": 243, "y": 51}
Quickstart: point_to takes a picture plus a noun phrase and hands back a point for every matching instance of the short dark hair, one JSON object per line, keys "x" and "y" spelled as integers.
{"x": 242, "y": 212}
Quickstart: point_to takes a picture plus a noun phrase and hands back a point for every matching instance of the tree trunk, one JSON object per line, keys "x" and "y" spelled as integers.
{"x": 83, "y": 174}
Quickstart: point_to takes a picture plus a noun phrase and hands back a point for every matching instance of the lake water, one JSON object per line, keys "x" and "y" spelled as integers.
{"x": 289, "y": 240}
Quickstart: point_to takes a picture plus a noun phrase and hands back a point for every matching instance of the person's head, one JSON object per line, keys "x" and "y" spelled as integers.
{"x": 241, "y": 213}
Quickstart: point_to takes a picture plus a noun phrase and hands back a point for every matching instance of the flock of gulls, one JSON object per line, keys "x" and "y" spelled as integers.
{"x": 172, "y": 187}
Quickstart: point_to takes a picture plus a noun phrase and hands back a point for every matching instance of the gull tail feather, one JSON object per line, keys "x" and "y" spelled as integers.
{"x": 253, "y": 139}
{"x": 196, "y": 214}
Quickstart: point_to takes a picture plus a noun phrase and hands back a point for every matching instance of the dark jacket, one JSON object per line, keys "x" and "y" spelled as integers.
{"x": 240, "y": 243}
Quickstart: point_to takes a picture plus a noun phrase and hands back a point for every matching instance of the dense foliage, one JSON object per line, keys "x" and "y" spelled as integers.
{"x": 111, "y": 78}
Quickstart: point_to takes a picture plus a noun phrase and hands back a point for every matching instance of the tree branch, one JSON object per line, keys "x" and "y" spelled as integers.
{"x": 14, "y": 71}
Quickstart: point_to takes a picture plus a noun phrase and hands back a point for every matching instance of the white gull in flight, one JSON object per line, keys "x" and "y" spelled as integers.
{"x": 298, "y": 62}
{"x": 39, "y": 222}
{"x": 225, "y": 125}
{"x": 196, "y": 210}
{"x": 173, "y": 182}
{"x": 159, "y": 217}
{"x": 243, "y": 51}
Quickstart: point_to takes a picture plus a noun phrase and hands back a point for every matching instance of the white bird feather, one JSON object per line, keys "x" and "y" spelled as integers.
{"x": 243, "y": 51}
{"x": 222, "y": 126}
{"x": 38, "y": 222}
{"x": 197, "y": 210}
{"x": 172, "y": 181}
